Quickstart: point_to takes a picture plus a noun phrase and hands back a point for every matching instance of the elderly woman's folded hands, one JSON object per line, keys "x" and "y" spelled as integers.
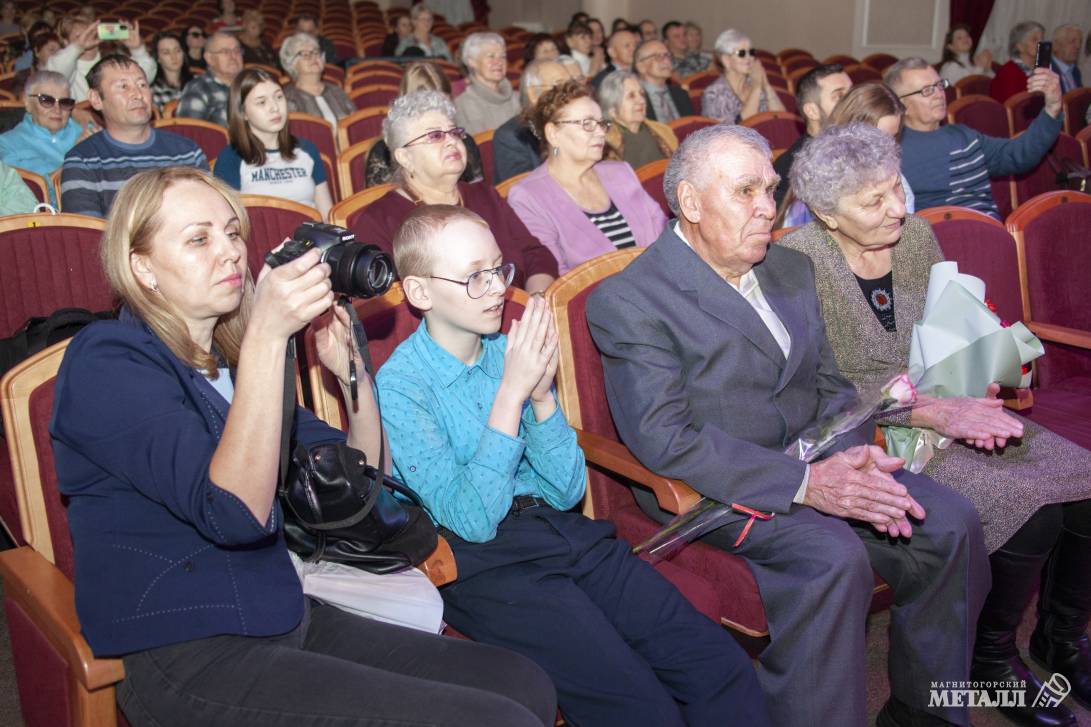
{"x": 980, "y": 422}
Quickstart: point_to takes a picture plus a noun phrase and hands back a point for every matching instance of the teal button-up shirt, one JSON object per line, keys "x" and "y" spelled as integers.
{"x": 436, "y": 411}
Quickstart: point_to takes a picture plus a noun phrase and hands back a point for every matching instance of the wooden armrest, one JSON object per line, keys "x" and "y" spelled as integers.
{"x": 49, "y": 599}
{"x": 1061, "y": 334}
{"x": 440, "y": 566}
{"x": 674, "y": 496}
{"x": 1017, "y": 399}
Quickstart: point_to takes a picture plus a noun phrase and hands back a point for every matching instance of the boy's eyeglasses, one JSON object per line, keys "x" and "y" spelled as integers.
{"x": 744, "y": 52}
{"x": 479, "y": 283}
{"x": 436, "y": 136}
{"x": 930, "y": 89}
{"x": 47, "y": 101}
{"x": 589, "y": 124}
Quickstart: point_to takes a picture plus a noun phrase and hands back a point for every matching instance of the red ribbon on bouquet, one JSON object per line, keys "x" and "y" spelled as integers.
{"x": 754, "y": 515}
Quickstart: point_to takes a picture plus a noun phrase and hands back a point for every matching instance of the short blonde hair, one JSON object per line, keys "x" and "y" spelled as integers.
{"x": 413, "y": 240}
{"x": 133, "y": 223}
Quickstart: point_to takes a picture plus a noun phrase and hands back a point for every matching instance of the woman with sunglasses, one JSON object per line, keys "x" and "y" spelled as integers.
{"x": 429, "y": 157}
{"x": 744, "y": 89}
{"x": 578, "y": 205}
{"x": 195, "y": 46}
{"x": 40, "y": 141}
{"x": 264, "y": 157}
{"x": 173, "y": 74}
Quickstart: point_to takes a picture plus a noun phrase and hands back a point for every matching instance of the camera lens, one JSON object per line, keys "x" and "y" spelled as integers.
{"x": 359, "y": 271}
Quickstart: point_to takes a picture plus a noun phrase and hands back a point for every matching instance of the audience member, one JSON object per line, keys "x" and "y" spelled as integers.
{"x": 872, "y": 262}
{"x": 817, "y": 92}
{"x": 1012, "y": 76}
{"x": 43, "y": 45}
{"x": 540, "y": 47}
{"x": 401, "y": 29}
{"x": 489, "y": 100}
{"x": 379, "y": 165}
{"x": 572, "y": 67}
{"x": 666, "y": 101}
{"x": 307, "y": 23}
{"x": 516, "y": 147}
{"x": 578, "y": 205}
{"x": 952, "y": 163}
{"x": 686, "y": 62}
{"x": 598, "y": 34}
{"x": 40, "y": 141}
{"x": 648, "y": 31}
{"x": 622, "y": 23}
{"x": 423, "y": 19}
{"x": 173, "y": 73}
{"x": 23, "y": 50}
{"x": 264, "y": 157}
{"x": 195, "y": 46}
{"x": 695, "y": 43}
{"x": 633, "y": 138}
{"x": 15, "y": 196}
{"x": 1066, "y": 56}
{"x": 619, "y": 49}
{"x": 87, "y": 13}
{"x": 206, "y": 96}
{"x": 430, "y": 158}
{"x": 955, "y": 63}
{"x": 501, "y": 479}
{"x": 1085, "y": 63}
{"x": 96, "y": 168}
{"x": 255, "y": 49}
{"x": 581, "y": 48}
{"x": 715, "y": 359}
{"x": 81, "y": 52}
{"x": 579, "y": 17}
{"x": 743, "y": 90}
{"x": 166, "y": 426}
{"x": 302, "y": 58}
{"x": 227, "y": 20}
{"x": 9, "y": 24}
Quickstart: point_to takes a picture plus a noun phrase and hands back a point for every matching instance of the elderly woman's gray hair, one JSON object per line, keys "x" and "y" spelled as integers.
{"x": 476, "y": 42}
{"x": 291, "y": 48}
{"x": 409, "y": 108}
{"x": 1020, "y": 32}
{"x": 39, "y": 78}
{"x": 418, "y": 10}
{"x": 842, "y": 161}
{"x": 893, "y": 75}
{"x": 694, "y": 159}
{"x": 612, "y": 90}
{"x": 729, "y": 40}
{"x": 531, "y": 78}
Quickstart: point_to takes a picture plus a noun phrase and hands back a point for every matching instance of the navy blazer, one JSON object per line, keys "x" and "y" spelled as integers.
{"x": 681, "y": 99}
{"x": 162, "y": 554}
{"x": 699, "y": 389}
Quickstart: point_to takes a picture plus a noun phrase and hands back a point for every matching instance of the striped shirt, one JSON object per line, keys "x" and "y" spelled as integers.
{"x": 612, "y": 224}
{"x": 96, "y": 168}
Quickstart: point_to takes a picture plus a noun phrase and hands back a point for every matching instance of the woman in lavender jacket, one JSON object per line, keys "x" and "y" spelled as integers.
{"x": 577, "y": 205}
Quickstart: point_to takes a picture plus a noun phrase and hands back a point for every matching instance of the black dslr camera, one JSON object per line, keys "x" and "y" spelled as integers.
{"x": 359, "y": 271}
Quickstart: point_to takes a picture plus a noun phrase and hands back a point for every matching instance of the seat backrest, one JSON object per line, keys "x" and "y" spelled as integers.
{"x": 346, "y": 211}
{"x": 352, "y": 167}
{"x": 780, "y": 128}
{"x": 698, "y": 81}
{"x": 984, "y": 248}
{"x": 271, "y": 220}
{"x": 36, "y": 182}
{"x": 796, "y": 63}
{"x": 983, "y": 113}
{"x": 483, "y": 139}
{"x": 212, "y": 138}
{"x": 861, "y": 73}
{"x": 388, "y": 320}
{"x": 1076, "y": 102}
{"x": 686, "y": 125}
{"x": 974, "y": 85}
{"x": 504, "y": 187}
{"x": 50, "y": 262}
{"x": 581, "y": 387}
{"x": 880, "y": 61}
{"x": 651, "y": 178}
{"x": 314, "y": 129}
{"x": 1084, "y": 139}
{"x": 358, "y": 126}
{"x": 332, "y": 179}
{"x": 374, "y": 96}
{"x": 1022, "y": 109}
{"x": 1043, "y": 177}
{"x": 1050, "y": 234}
{"x": 26, "y": 395}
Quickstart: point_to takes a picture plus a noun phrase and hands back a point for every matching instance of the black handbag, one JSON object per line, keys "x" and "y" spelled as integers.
{"x": 338, "y": 508}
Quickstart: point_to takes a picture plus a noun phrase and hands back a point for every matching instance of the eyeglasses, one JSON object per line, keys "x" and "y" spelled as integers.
{"x": 664, "y": 56}
{"x": 196, "y": 34}
{"x": 47, "y": 101}
{"x": 744, "y": 52}
{"x": 930, "y": 89}
{"x": 479, "y": 283}
{"x": 227, "y": 51}
{"x": 436, "y": 136}
{"x": 589, "y": 124}
{"x": 308, "y": 54}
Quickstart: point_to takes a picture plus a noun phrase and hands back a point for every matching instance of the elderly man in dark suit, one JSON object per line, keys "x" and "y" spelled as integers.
{"x": 715, "y": 357}
{"x": 666, "y": 101}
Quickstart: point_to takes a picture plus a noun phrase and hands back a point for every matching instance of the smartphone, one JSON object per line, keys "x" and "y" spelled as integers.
{"x": 113, "y": 31}
{"x": 1043, "y": 56}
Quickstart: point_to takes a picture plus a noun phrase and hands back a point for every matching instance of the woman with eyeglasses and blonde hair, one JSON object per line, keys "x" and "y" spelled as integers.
{"x": 302, "y": 59}
{"x": 743, "y": 90}
{"x": 264, "y": 157}
{"x": 167, "y": 442}
{"x": 429, "y": 154}
{"x": 578, "y": 205}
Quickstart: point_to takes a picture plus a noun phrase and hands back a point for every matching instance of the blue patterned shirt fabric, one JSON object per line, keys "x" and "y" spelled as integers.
{"x": 435, "y": 411}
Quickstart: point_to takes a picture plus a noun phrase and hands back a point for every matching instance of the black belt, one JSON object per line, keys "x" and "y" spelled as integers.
{"x": 526, "y": 502}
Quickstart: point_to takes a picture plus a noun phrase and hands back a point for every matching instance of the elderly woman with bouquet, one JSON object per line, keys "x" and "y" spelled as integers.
{"x": 1030, "y": 486}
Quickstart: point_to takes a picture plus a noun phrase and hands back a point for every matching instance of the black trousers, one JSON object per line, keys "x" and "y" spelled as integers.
{"x": 622, "y": 645}
{"x": 335, "y": 670}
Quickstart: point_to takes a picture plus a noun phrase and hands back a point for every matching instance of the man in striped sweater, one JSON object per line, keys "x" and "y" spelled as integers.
{"x": 952, "y": 164}
{"x": 96, "y": 168}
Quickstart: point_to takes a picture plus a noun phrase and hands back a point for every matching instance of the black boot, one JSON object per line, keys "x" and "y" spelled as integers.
{"x": 996, "y": 657}
{"x": 1059, "y": 642}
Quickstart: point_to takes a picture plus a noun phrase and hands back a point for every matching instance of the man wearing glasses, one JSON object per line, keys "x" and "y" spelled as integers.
{"x": 206, "y": 96}
{"x": 952, "y": 163}
{"x": 666, "y": 101}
